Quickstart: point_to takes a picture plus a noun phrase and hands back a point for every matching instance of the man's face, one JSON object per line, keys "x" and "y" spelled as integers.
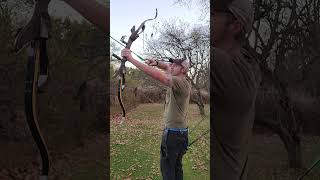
{"x": 175, "y": 69}
{"x": 220, "y": 26}
{"x": 224, "y": 26}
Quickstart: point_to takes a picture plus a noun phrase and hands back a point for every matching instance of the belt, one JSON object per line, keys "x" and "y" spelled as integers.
{"x": 181, "y": 130}
{"x": 178, "y": 129}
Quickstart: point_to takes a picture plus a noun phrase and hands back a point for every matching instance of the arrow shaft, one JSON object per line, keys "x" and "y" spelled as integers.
{"x": 142, "y": 59}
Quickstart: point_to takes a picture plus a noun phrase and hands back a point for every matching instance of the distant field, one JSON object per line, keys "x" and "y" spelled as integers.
{"x": 135, "y": 145}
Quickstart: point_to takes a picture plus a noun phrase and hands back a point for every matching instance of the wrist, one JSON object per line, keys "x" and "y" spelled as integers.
{"x": 130, "y": 58}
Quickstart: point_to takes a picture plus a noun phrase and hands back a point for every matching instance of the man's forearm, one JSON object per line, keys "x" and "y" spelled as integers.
{"x": 143, "y": 67}
{"x": 93, "y": 11}
{"x": 153, "y": 72}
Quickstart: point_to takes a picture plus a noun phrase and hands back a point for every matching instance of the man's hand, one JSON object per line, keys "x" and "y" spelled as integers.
{"x": 152, "y": 62}
{"x": 155, "y": 73}
{"x": 126, "y": 53}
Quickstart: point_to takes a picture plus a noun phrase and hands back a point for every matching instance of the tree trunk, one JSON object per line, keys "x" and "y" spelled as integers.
{"x": 293, "y": 147}
{"x": 294, "y": 155}
{"x": 201, "y": 108}
{"x": 291, "y": 142}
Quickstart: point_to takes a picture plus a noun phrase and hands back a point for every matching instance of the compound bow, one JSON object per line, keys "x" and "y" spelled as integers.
{"x": 34, "y": 36}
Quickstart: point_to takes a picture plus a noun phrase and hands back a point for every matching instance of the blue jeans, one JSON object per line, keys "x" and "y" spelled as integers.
{"x": 173, "y": 146}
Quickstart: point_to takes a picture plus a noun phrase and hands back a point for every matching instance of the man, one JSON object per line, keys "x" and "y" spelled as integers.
{"x": 235, "y": 78}
{"x": 175, "y": 136}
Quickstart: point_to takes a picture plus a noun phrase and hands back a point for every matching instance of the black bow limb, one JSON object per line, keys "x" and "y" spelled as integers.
{"x": 120, "y": 74}
{"x": 34, "y": 36}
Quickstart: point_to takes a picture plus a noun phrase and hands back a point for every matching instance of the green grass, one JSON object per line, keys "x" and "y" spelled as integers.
{"x": 135, "y": 145}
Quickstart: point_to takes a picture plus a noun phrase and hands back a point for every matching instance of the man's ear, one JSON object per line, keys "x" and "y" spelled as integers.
{"x": 183, "y": 70}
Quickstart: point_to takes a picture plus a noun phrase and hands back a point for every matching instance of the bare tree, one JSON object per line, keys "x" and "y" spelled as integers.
{"x": 178, "y": 41}
{"x": 282, "y": 29}
{"x": 203, "y": 5}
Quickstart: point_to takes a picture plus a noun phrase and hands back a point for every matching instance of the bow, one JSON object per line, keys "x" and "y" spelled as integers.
{"x": 120, "y": 74}
{"x": 34, "y": 36}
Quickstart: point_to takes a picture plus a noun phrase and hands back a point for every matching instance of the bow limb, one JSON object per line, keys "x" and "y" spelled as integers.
{"x": 34, "y": 36}
{"x": 121, "y": 85}
{"x": 122, "y": 70}
{"x": 31, "y": 86}
{"x": 135, "y": 33}
{"x": 120, "y": 89}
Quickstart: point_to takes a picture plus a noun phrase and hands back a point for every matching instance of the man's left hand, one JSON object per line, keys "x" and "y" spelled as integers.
{"x": 126, "y": 53}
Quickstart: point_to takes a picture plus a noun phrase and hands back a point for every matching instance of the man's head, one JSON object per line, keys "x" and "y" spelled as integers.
{"x": 178, "y": 66}
{"x": 232, "y": 19}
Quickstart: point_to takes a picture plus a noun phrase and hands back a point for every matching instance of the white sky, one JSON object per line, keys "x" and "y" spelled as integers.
{"x": 126, "y": 13}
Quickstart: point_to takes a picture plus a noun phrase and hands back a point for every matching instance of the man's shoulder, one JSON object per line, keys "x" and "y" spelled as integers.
{"x": 180, "y": 79}
{"x": 254, "y": 65}
{"x": 180, "y": 82}
{"x": 220, "y": 54}
{"x": 252, "y": 59}
{"x": 222, "y": 60}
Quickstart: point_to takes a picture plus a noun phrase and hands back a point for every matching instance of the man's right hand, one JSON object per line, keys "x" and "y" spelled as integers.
{"x": 152, "y": 62}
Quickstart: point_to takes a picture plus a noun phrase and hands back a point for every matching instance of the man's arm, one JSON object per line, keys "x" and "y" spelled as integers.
{"x": 93, "y": 11}
{"x": 162, "y": 65}
{"x": 159, "y": 64}
{"x": 151, "y": 71}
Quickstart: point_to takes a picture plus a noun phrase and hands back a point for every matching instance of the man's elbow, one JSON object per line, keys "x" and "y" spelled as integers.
{"x": 162, "y": 78}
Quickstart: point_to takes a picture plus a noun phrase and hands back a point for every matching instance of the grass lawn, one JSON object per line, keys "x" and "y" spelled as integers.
{"x": 135, "y": 145}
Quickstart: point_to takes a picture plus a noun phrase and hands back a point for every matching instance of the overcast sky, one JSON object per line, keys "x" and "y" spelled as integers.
{"x": 126, "y": 13}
